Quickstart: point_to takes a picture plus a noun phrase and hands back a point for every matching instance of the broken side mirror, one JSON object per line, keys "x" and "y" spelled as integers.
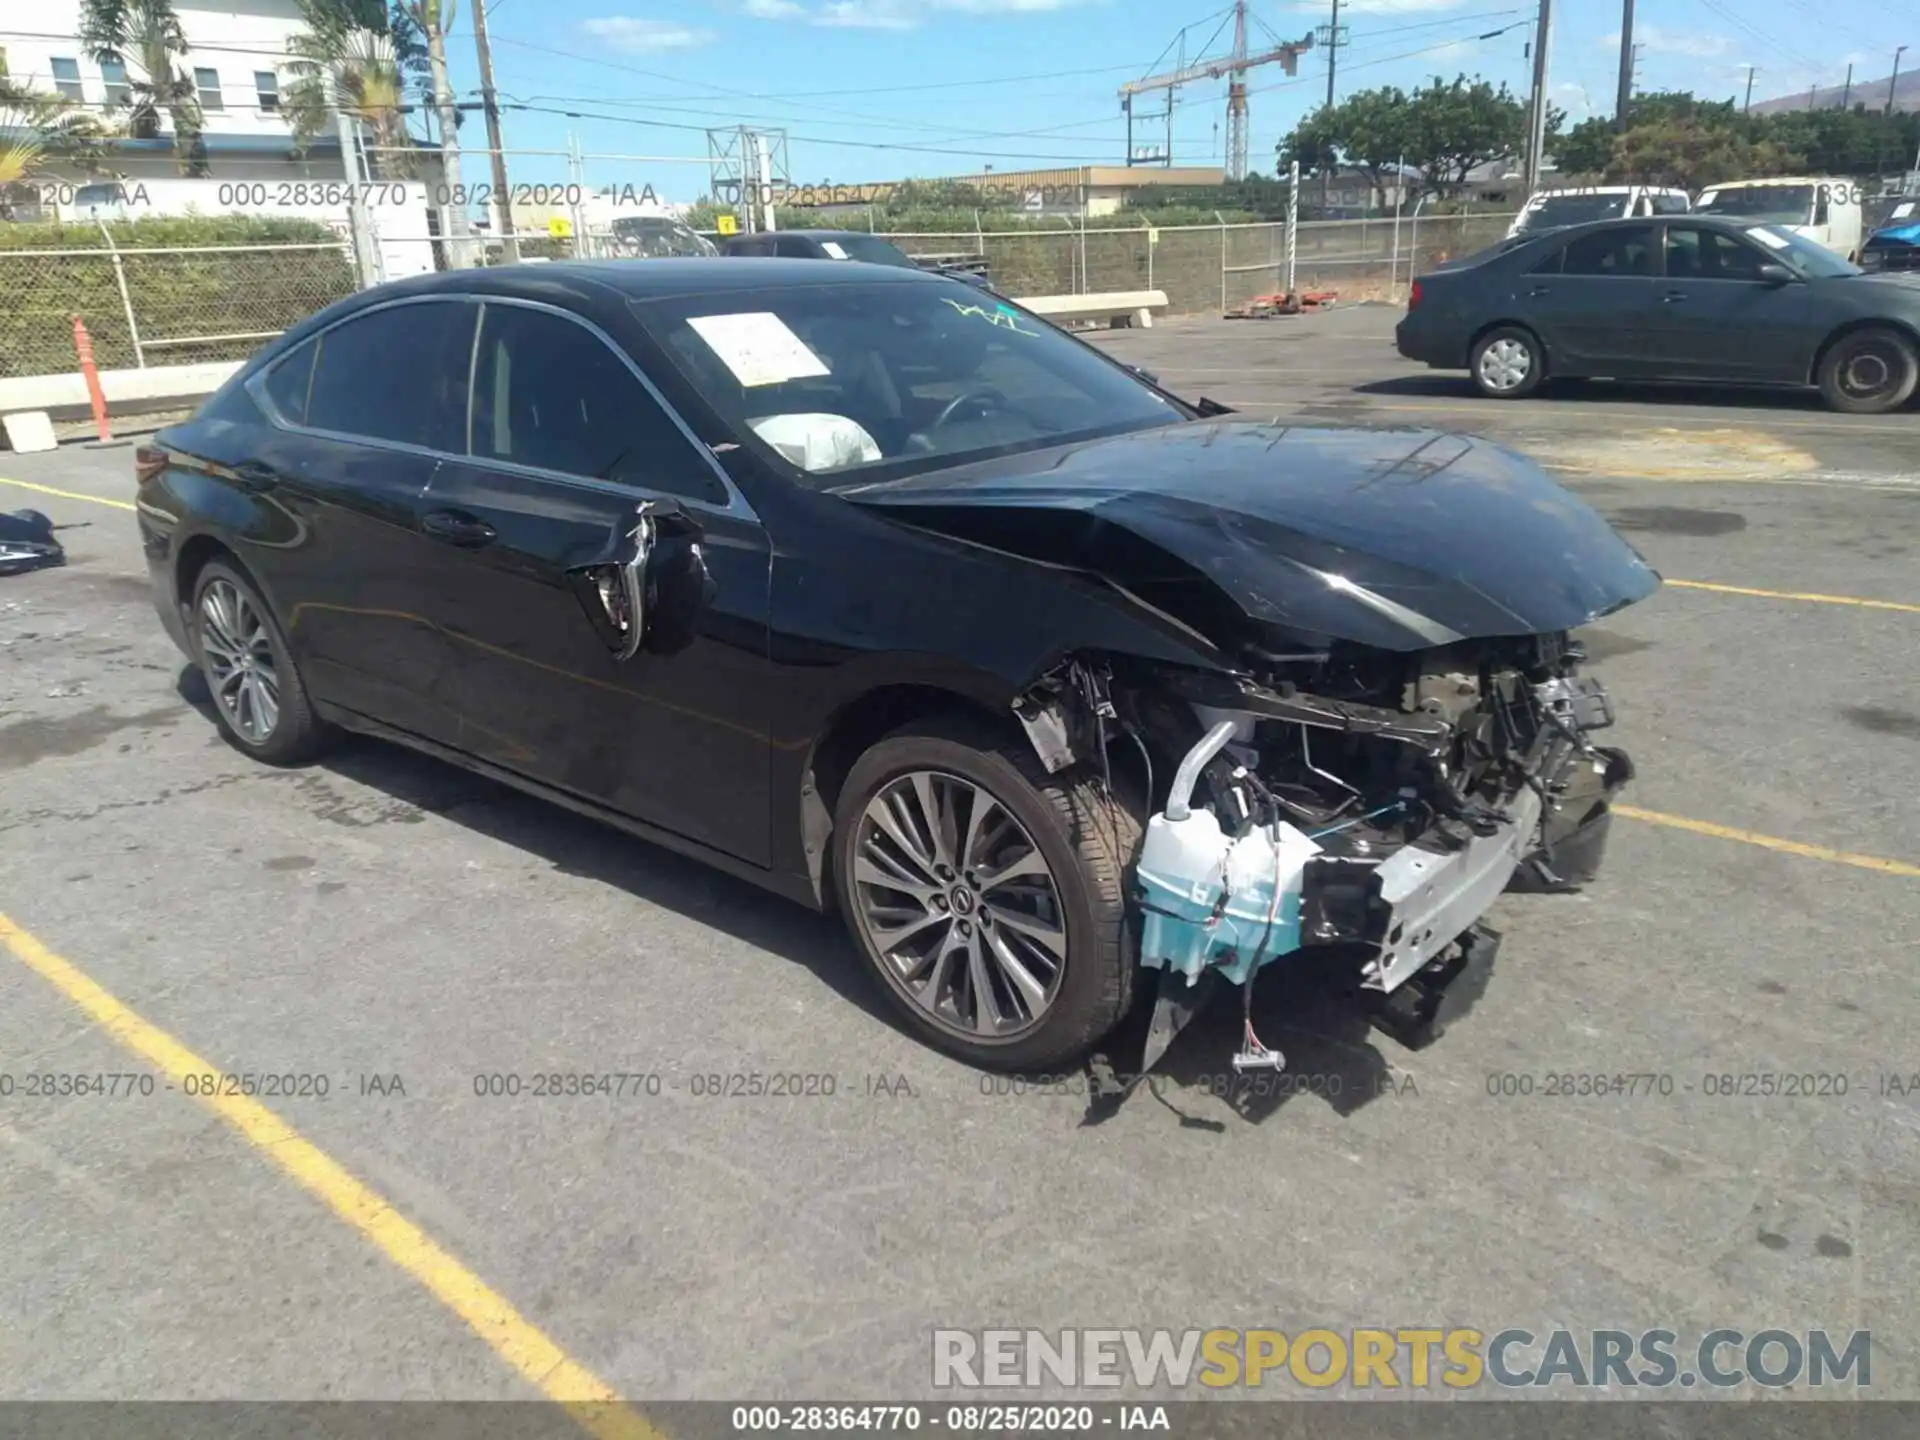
{"x": 650, "y": 587}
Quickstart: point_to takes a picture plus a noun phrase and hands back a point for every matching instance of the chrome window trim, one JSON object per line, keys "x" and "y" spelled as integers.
{"x": 735, "y": 504}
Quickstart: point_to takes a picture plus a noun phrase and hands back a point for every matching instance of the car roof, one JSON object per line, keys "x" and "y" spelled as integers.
{"x": 665, "y": 275}
{"x": 835, "y": 234}
{"x": 1774, "y": 180}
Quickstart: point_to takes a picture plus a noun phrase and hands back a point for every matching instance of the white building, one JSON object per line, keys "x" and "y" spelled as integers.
{"x": 237, "y": 57}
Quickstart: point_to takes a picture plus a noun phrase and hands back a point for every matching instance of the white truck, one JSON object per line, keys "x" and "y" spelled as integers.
{"x": 397, "y": 211}
{"x": 1825, "y": 209}
{"x": 1577, "y": 205}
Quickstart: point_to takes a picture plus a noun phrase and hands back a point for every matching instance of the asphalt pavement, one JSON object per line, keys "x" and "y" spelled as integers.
{"x": 416, "y": 935}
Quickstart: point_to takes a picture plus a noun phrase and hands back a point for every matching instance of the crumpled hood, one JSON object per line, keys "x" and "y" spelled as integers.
{"x": 1401, "y": 539}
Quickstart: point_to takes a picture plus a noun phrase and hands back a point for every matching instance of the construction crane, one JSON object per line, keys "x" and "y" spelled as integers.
{"x": 1234, "y": 67}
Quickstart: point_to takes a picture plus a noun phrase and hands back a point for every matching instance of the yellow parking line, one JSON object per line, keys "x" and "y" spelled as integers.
{"x": 591, "y": 1402}
{"x": 1770, "y": 842}
{"x": 67, "y": 494}
{"x": 1796, "y": 595}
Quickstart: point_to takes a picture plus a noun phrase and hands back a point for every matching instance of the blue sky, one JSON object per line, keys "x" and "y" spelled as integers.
{"x": 880, "y": 89}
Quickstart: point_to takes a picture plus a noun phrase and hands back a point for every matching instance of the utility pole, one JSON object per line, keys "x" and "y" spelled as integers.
{"x": 1625, "y": 100}
{"x": 1333, "y": 70}
{"x": 1537, "y": 116}
{"x": 510, "y": 246}
{"x": 366, "y": 263}
{"x": 1846, "y": 95}
{"x": 1893, "y": 85}
{"x": 1747, "y": 109}
{"x": 437, "y": 18}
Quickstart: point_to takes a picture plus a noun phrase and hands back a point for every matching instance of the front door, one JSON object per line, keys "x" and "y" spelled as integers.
{"x": 1590, "y": 300}
{"x": 1716, "y": 318}
{"x": 566, "y": 443}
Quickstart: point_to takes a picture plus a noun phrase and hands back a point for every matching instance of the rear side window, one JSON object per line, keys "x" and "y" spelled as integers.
{"x": 1626, "y": 252}
{"x": 287, "y": 381}
{"x": 398, "y": 374}
{"x": 549, "y": 393}
{"x": 794, "y": 246}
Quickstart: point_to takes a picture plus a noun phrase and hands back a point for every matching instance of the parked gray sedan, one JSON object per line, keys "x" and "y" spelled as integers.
{"x": 1685, "y": 298}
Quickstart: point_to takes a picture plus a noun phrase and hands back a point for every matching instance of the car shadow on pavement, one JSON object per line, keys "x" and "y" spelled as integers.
{"x": 576, "y": 845}
{"x": 1618, "y": 392}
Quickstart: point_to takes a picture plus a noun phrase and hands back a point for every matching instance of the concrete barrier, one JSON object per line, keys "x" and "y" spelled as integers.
{"x": 128, "y": 392}
{"x": 1118, "y": 308}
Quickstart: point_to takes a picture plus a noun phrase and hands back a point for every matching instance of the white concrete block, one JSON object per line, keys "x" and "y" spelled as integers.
{"x": 29, "y": 430}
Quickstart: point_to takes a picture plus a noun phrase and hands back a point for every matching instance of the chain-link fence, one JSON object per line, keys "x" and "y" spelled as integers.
{"x": 173, "y": 304}
{"x": 159, "y": 305}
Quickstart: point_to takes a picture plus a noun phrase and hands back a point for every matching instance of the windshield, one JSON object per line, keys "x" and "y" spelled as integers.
{"x": 876, "y": 379}
{"x": 1776, "y": 204}
{"x": 1806, "y": 258}
{"x": 868, "y": 248}
{"x": 1557, "y": 210}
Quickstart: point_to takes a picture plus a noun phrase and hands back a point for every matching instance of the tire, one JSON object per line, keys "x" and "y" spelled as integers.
{"x": 1869, "y": 371}
{"x": 1498, "y": 354}
{"x": 292, "y": 734}
{"x": 1088, "y": 843}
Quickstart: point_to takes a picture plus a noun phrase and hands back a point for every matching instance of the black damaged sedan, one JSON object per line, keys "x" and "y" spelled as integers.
{"x": 901, "y": 601}
{"x": 1694, "y": 297}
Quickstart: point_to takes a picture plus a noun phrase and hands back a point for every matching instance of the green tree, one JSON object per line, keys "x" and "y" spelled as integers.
{"x": 1313, "y": 143}
{"x": 373, "y": 53}
{"x": 147, "y": 34}
{"x": 1693, "y": 152}
{"x": 39, "y": 131}
{"x": 1452, "y": 128}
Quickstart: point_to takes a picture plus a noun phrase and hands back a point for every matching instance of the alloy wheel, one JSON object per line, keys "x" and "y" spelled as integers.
{"x": 240, "y": 665}
{"x": 1505, "y": 365}
{"x": 955, "y": 898}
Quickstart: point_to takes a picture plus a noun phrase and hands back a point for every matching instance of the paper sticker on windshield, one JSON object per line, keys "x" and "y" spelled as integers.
{"x": 1901, "y": 212}
{"x": 1769, "y": 239}
{"x": 758, "y": 348}
{"x": 832, "y": 247}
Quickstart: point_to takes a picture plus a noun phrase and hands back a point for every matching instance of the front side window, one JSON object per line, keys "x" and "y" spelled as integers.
{"x": 1808, "y": 259}
{"x": 887, "y": 377}
{"x": 1697, "y": 253}
{"x": 549, "y": 393}
{"x": 1622, "y": 253}
{"x": 398, "y": 374}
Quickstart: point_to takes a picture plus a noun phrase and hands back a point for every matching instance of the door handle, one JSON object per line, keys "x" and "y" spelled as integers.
{"x": 1673, "y": 297}
{"x": 1540, "y": 290}
{"x": 457, "y": 527}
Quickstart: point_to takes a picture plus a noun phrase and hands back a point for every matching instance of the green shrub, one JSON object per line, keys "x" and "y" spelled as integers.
{"x": 243, "y": 294}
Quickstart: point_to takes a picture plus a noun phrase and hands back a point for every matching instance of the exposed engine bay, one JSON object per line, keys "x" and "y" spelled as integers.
{"x": 1351, "y": 800}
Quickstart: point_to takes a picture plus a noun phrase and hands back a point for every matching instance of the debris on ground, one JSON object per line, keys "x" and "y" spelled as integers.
{"x": 1286, "y": 302}
{"x": 27, "y": 543}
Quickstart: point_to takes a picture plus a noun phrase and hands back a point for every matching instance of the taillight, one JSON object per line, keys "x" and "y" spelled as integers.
{"x": 149, "y": 464}
{"x": 1413, "y": 296}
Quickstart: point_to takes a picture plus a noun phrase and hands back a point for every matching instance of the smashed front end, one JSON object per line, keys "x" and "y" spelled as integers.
{"x": 1356, "y": 805}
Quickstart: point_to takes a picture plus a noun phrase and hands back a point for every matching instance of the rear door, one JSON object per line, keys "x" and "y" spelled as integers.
{"x": 360, "y": 416}
{"x": 567, "y": 439}
{"x": 1717, "y": 319}
{"x": 1591, "y": 298}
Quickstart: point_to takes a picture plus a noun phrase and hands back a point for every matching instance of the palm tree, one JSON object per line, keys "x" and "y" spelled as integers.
{"x": 37, "y": 131}
{"x": 148, "y": 33}
{"x": 370, "y": 53}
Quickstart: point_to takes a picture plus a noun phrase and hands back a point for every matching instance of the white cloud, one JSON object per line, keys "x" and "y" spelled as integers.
{"x": 635, "y": 36}
{"x": 1672, "y": 42}
{"x": 774, "y": 9}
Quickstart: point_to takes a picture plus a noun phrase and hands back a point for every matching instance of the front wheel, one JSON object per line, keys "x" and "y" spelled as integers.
{"x": 1869, "y": 372}
{"x": 1508, "y": 363}
{"x": 987, "y": 896}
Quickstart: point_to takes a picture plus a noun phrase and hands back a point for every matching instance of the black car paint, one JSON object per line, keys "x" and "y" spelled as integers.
{"x": 1652, "y": 327}
{"x": 715, "y": 749}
